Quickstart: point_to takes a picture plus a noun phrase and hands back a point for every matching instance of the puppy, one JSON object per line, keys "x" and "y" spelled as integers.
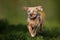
{"x": 35, "y": 19}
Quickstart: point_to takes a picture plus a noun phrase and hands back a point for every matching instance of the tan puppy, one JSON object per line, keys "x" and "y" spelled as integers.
{"x": 35, "y": 19}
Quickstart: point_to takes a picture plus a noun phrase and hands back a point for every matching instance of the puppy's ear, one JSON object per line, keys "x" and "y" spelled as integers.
{"x": 39, "y": 8}
{"x": 26, "y": 8}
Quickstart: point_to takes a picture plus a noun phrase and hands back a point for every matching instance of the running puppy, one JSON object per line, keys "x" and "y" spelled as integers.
{"x": 35, "y": 19}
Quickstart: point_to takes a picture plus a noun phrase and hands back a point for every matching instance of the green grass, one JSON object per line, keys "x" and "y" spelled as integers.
{"x": 20, "y": 32}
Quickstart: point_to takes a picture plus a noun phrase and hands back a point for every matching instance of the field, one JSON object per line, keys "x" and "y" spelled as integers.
{"x": 13, "y": 20}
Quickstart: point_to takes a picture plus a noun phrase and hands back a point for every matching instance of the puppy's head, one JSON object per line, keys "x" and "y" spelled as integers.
{"x": 32, "y": 11}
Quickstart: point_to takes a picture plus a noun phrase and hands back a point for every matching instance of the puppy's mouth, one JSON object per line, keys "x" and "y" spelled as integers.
{"x": 32, "y": 16}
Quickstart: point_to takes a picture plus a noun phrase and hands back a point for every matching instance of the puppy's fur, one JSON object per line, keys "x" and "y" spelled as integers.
{"x": 35, "y": 19}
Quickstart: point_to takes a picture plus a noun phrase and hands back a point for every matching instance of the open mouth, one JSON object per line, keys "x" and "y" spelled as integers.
{"x": 30, "y": 15}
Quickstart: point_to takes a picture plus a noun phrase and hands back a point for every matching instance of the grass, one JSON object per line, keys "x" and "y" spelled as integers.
{"x": 20, "y": 32}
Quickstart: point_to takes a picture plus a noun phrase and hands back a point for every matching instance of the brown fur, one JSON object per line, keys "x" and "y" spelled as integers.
{"x": 32, "y": 25}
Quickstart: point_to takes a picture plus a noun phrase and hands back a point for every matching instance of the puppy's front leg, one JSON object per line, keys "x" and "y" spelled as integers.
{"x": 31, "y": 30}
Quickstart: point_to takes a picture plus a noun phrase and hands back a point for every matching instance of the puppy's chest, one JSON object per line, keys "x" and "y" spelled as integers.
{"x": 34, "y": 22}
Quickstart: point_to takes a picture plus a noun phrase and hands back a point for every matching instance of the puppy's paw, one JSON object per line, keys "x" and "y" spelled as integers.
{"x": 32, "y": 35}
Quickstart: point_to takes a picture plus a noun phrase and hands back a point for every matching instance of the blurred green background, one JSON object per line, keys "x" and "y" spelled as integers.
{"x": 16, "y": 18}
{"x": 14, "y": 12}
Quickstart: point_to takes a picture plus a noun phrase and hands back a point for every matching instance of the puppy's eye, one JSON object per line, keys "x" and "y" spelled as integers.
{"x": 28, "y": 11}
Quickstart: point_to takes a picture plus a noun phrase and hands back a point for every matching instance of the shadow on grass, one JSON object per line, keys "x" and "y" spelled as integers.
{"x": 5, "y": 27}
{"x": 20, "y": 31}
{"x": 12, "y": 32}
{"x": 51, "y": 33}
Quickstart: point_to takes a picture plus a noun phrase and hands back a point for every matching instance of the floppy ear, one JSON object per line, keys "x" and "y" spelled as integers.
{"x": 26, "y": 8}
{"x": 39, "y": 8}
